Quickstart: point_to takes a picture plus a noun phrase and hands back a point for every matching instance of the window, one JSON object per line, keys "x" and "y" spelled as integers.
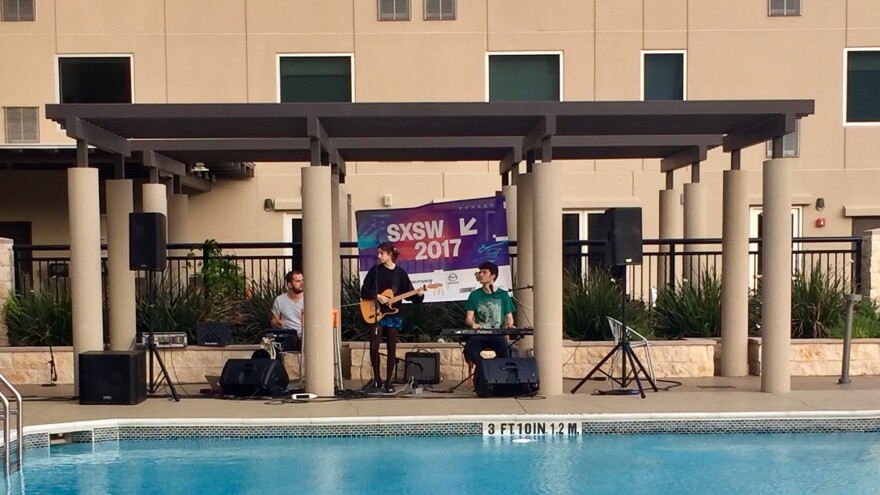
{"x": 394, "y": 10}
{"x": 525, "y": 77}
{"x": 22, "y": 124}
{"x": 785, "y": 7}
{"x": 95, "y": 79}
{"x": 863, "y": 85}
{"x": 440, "y": 10}
{"x": 663, "y": 76}
{"x": 17, "y": 10}
{"x": 791, "y": 143}
{"x": 315, "y": 79}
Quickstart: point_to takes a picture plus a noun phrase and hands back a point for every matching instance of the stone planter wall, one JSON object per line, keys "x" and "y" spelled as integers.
{"x": 823, "y": 357}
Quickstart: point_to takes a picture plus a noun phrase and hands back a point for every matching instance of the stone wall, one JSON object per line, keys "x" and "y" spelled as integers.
{"x": 871, "y": 264}
{"x": 823, "y": 357}
{"x": 7, "y": 285}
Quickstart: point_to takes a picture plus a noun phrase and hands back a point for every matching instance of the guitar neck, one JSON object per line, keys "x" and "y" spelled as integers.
{"x": 402, "y": 296}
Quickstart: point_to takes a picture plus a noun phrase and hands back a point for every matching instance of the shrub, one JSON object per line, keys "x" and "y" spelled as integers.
{"x": 37, "y": 319}
{"x": 865, "y": 324}
{"x": 252, "y": 317}
{"x": 587, "y": 301}
{"x": 690, "y": 310}
{"x": 817, "y": 303}
{"x": 177, "y": 308}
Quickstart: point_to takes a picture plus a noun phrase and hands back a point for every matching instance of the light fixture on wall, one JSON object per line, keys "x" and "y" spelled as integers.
{"x": 269, "y": 204}
{"x": 820, "y": 204}
{"x": 199, "y": 167}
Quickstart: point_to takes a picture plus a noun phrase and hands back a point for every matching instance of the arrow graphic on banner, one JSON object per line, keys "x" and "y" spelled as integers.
{"x": 465, "y": 228}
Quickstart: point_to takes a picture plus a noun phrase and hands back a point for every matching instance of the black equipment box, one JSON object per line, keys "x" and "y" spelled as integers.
{"x": 253, "y": 377}
{"x": 422, "y": 367}
{"x": 112, "y": 377}
{"x": 506, "y": 377}
{"x": 213, "y": 333}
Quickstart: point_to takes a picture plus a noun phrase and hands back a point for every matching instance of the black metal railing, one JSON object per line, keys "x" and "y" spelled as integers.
{"x": 664, "y": 262}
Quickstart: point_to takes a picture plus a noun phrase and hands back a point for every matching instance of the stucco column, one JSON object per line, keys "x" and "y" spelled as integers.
{"x": 510, "y": 204}
{"x": 7, "y": 285}
{"x": 178, "y": 218}
{"x": 525, "y": 299}
{"x": 695, "y": 207}
{"x": 121, "y": 279}
{"x": 776, "y": 282}
{"x": 155, "y": 199}
{"x": 85, "y": 263}
{"x": 670, "y": 228}
{"x": 548, "y": 276}
{"x": 317, "y": 244}
{"x": 735, "y": 279}
{"x": 337, "y": 221}
{"x": 871, "y": 264}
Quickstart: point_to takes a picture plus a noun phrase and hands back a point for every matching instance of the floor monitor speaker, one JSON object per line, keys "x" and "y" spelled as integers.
{"x": 147, "y": 243}
{"x": 253, "y": 377}
{"x": 506, "y": 377}
{"x": 624, "y": 236}
{"x": 112, "y": 377}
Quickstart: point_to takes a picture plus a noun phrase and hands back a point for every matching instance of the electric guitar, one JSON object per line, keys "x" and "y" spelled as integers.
{"x": 373, "y": 311}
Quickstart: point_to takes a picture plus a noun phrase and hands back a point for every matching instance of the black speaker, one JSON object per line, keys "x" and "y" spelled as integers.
{"x": 253, "y": 377}
{"x": 506, "y": 377}
{"x": 147, "y": 245}
{"x": 213, "y": 333}
{"x": 112, "y": 377}
{"x": 422, "y": 367}
{"x": 624, "y": 236}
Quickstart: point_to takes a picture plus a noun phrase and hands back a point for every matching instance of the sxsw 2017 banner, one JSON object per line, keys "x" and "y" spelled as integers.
{"x": 440, "y": 243}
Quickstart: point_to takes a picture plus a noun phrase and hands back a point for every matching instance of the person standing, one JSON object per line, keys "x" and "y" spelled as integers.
{"x": 381, "y": 277}
{"x": 487, "y": 308}
{"x": 287, "y": 310}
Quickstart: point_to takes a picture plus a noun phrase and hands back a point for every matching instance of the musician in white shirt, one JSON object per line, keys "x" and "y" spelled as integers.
{"x": 487, "y": 308}
{"x": 287, "y": 310}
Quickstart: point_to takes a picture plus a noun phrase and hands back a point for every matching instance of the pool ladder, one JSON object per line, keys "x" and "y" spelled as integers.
{"x": 9, "y": 411}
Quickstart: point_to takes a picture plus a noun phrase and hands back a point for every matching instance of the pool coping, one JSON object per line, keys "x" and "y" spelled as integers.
{"x": 102, "y": 430}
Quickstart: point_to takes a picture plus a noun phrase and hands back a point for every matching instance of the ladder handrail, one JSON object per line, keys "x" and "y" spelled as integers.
{"x": 7, "y": 411}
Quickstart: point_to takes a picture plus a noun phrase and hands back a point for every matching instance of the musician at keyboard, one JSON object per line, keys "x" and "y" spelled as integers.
{"x": 487, "y": 308}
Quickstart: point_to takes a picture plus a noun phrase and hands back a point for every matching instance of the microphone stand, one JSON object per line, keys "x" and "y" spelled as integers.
{"x": 53, "y": 373}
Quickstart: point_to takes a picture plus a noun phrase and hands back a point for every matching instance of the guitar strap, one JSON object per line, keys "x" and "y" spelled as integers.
{"x": 395, "y": 281}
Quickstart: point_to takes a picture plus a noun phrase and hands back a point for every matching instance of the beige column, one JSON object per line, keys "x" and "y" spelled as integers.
{"x": 85, "y": 263}
{"x": 510, "y": 203}
{"x": 871, "y": 264}
{"x": 178, "y": 218}
{"x": 7, "y": 285}
{"x": 121, "y": 279}
{"x": 735, "y": 279}
{"x": 525, "y": 299}
{"x": 155, "y": 199}
{"x": 670, "y": 228}
{"x": 548, "y": 276}
{"x": 318, "y": 240}
{"x": 776, "y": 281}
{"x": 695, "y": 207}
{"x": 337, "y": 222}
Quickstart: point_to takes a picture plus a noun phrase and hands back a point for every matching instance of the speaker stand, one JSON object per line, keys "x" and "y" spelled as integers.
{"x": 627, "y": 354}
{"x": 152, "y": 347}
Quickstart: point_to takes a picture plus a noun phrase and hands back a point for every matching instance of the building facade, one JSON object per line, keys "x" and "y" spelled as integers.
{"x": 258, "y": 51}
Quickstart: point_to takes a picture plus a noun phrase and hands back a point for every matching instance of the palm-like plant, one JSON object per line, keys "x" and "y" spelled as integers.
{"x": 690, "y": 309}
{"x": 817, "y": 303}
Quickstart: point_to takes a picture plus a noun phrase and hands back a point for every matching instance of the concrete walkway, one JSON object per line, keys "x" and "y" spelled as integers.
{"x": 48, "y": 405}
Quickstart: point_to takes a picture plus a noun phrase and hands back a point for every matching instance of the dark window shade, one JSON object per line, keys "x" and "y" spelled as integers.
{"x": 95, "y": 79}
{"x": 785, "y": 7}
{"x": 17, "y": 10}
{"x": 523, "y": 78}
{"x": 439, "y": 10}
{"x": 316, "y": 79}
{"x": 863, "y": 86}
{"x": 664, "y": 76}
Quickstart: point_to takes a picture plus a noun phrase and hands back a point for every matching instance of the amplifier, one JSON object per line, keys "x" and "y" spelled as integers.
{"x": 422, "y": 367}
{"x": 165, "y": 339}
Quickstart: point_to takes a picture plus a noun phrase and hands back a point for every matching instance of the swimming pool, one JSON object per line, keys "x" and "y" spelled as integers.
{"x": 715, "y": 463}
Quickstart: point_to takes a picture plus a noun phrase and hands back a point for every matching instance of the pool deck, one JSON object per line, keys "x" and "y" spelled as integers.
{"x": 50, "y": 405}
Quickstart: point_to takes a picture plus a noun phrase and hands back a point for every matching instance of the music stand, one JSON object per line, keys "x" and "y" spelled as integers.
{"x": 152, "y": 347}
{"x": 624, "y": 229}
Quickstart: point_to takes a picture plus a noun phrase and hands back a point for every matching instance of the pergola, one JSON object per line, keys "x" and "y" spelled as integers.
{"x": 169, "y": 139}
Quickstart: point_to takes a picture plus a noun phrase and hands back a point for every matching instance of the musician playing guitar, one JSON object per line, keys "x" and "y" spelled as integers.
{"x": 382, "y": 277}
{"x": 487, "y": 307}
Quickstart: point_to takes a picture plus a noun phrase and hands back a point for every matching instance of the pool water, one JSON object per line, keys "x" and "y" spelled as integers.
{"x": 644, "y": 464}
